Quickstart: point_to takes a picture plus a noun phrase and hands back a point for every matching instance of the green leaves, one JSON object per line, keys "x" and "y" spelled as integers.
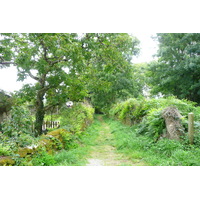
{"x": 6, "y": 102}
{"x": 71, "y": 65}
{"x": 177, "y": 70}
{"x": 19, "y": 122}
{"x": 77, "y": 118}
{"x": 5, "y": 150}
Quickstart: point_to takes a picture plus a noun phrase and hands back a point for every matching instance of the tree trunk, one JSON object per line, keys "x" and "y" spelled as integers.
{"x": 39, "y": 113}
{"x": 40, "y": 110}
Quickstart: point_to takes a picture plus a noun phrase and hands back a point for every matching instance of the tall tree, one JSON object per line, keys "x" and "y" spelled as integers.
{"x": 110, "y": 75}
{"x": 177, "y": 70}
{"x": 44, "y": 58}
{"x": 65, "y": 64}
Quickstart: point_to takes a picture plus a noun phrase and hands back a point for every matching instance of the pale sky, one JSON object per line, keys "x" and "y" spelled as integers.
{"x": 8, "y": 76}
{"x": 148, "y": 47}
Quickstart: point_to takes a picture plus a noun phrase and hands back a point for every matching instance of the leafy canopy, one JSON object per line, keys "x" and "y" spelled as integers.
{"x": 177, "y": 71}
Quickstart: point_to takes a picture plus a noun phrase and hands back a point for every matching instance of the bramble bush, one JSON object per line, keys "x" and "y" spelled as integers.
{"x": 42, "y": 158}
{"x": 17, "y": 135}
{"x": 18, "y": 122}
{"x": 17, "y": 129}
{"x": 147, "y": 125}
{"x": 77, "y": 118}
{"x": 163, "y": 152}
{"x": 5, "y": 150}
{"x": 147, "y": 113}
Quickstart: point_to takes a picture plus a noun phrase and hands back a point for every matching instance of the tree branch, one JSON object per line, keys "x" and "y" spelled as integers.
{"x": 6, "y": 63}
{"x": 32, "y": 76}
{"x": 57, "y": 61}
{"x": 45, "y": 50}
{"x": 48, "y": 60}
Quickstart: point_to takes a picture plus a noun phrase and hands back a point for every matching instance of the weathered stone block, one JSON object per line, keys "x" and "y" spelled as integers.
{"x": 6, "y": 161}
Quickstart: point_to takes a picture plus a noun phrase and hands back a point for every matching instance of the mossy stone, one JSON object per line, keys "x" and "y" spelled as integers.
{"x": 6, "y": 161}
{"x": 49, "y": 144}
{"x": 24, "y": 151}
{"x": 57, "y": 133}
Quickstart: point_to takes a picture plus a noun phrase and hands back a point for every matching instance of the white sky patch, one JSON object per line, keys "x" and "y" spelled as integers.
{"x": 148, "y": 47}
{"x": 8, "y": 79}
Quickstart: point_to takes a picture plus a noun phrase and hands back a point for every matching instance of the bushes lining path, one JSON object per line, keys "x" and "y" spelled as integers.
{"x": 108, "y": 142}
{"x": 97, "y": 148}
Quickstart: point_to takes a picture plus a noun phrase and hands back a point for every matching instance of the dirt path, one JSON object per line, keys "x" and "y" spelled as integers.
{"x": 104, "y": 153}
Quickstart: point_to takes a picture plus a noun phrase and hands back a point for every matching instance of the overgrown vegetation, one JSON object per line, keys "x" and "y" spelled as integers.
{"x": 77, "y": 155}
{"x": 147, "y": 113}
{"x": 77, "y": 118}
{"x": 143, "y": 137}
{"x": 164, "y": 152}
{"x": 19, "y": 143}
{"x": 17, "y": 130}
{"x": 97, "y": 67}
{"x": 176, "y": 72}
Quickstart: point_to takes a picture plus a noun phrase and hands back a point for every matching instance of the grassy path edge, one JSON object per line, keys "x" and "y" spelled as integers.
{"x": 98, "y": 143}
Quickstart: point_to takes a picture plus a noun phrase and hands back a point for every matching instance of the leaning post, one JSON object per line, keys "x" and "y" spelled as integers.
{"x": 191, "y": 127}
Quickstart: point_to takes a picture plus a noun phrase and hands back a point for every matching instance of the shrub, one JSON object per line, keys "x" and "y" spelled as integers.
{"x": 42, "y": 158}
{"x": 77, "y": 118}
{"x": 153, "y": 124}
{"x": 17, "y": 129}
{"x": 148, "y": 113}
{"x": 25, "y": 140}
{"x": 70, "y": 141}
{"x": 5, "y": 150}
{"x": 19, "y": 122}
{"x": 129, "y": 112}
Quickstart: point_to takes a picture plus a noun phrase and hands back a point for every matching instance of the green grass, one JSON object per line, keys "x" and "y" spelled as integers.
{"x": 73, "y": 157}
{"x": 164, "y": 152}
{"x": 139, "y": 149}
{"x": 78, "y": 156}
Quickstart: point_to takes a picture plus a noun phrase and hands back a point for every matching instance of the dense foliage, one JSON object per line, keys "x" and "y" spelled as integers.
{"x": 163, "y": 152}
{"x": 78, "y": 117}
{"x": 110, "y": 74}
{"x": 70, "y": 66}
{"x": 177, "y": 69}
{"x": 19, "y": 121}
{"x": 6, "y": 102}
{"x": 94, "y": 70}
{"x": 19, "y": 146}
{"x": 148, "y": 113}
{"x": 17, "y": 129}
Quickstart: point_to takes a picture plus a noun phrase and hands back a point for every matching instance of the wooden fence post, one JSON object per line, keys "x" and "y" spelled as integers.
{"x": 191, "y": 127}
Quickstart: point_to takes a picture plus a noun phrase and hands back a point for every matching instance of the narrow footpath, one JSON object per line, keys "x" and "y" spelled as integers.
{"x": 104, "y": 153}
